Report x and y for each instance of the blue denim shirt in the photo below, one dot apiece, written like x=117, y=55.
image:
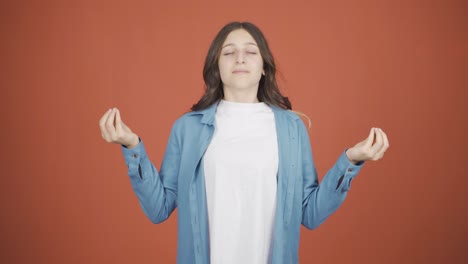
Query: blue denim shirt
x=180, y=183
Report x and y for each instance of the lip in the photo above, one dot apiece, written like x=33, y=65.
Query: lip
x=240, y=71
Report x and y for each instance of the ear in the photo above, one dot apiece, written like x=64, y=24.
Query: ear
x=263, y=72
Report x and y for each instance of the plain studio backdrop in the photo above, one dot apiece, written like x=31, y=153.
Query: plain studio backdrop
x=348, y=65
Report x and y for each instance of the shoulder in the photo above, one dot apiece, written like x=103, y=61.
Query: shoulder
x=286, y=115
x=185, y=128
x=187, y=119
x=291, y=121
x=195, y=120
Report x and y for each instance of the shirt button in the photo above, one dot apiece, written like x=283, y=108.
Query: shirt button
x=350, y=170
x=135, y=156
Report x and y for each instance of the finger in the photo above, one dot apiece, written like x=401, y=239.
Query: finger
x=386, y=142
x=378, y=142
x=118, y=121
x=102, y=125
x=384, y=148
x=370, y=138
x=110, y=124
x=103, y=119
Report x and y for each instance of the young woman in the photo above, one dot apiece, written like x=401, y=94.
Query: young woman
x=239, y=166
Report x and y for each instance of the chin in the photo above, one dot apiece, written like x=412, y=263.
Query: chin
x=244, y=87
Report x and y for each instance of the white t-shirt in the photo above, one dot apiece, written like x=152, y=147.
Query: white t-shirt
x=241, y=166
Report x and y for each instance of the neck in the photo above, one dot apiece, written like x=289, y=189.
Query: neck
x=246, y=96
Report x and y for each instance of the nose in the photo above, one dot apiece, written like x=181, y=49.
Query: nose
x=240, y=57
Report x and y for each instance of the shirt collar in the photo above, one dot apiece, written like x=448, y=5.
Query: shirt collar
x=208, y=114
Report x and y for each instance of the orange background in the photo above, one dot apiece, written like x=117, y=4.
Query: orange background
x=349, y=65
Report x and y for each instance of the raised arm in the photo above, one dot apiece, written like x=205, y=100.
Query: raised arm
x=321, y=200
x=156, y=191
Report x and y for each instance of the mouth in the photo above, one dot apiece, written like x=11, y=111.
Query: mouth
x=240, y=71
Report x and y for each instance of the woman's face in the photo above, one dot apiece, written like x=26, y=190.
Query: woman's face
x=240, y=63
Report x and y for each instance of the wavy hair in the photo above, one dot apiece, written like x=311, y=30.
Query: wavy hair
x=268, y=91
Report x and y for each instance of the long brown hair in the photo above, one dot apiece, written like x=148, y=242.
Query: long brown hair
x=268, y=91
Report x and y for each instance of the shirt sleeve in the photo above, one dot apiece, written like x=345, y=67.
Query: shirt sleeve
x=321, y=200
x=347, y=170
x=155, y=190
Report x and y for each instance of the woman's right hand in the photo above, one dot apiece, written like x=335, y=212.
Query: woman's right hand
x=114, y=130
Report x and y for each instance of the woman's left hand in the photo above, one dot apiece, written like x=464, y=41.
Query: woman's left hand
x=371, y=148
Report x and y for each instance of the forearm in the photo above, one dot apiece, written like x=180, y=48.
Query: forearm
x=156, y=201
x=324, y=199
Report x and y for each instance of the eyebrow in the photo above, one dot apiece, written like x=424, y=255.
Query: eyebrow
x=232, y=44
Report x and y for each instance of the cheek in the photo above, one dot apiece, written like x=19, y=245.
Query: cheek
x=222, y=70
x=259, y=65
x=222, y=63
x=258, y=62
